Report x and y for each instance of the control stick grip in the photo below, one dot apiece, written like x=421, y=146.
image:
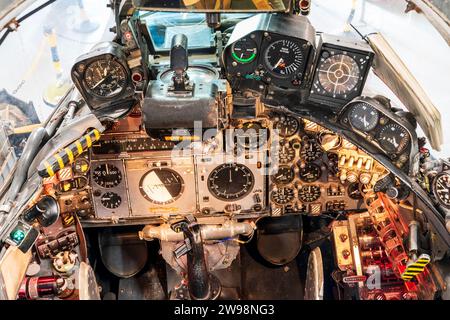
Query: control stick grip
x=179, y=54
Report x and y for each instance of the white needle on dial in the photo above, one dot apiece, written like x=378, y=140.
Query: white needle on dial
x=278, y=63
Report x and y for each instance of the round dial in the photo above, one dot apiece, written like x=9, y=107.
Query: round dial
x=364, y=117
x=310, y=150
x=111, y=200
x=283, y=58
x=244, y=50
x=338, y=74
x=105, y=78
x=161, y=185
x=442, y=189
x=286, y=153
x=287, y=126
x=393, y=138
x=107, y=175
x=309, y=193
x=282, y=196
x=284, y=175
x=310, y=172
x=230, y=181
x=253, y=135
x=354, y=191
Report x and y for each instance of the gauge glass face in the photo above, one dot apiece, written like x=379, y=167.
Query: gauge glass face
x=230, y=181
x=354, y=191
x=442, y=189
x=284, y=175
x=105, y=78
x=244, y=50
x=338, y=75
x=309, y=193
x=107, y=175
x=393, y=138
x=310, y=151
x=161, y=186
x=282, y=196
x=286, y=153
x=111, y=200
x=364, y=117
x=81, y=166
x=284, y=58
x=310, y=172
x=287, y=126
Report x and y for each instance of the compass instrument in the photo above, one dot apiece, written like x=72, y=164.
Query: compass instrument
x=393, y=138
x=309, y=193
x=311, y=172
x=282, y=196
x=107, y=175
x=363, y=117
x=284, y=175
x=230, y=181
x=287, y=126
x=161, y=185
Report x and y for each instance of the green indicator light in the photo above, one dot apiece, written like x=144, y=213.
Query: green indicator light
x=241, y=60
x=17, y=235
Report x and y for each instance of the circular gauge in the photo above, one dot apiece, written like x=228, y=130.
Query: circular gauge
x=310, y=172
x=332, y=162
x=282, y=196
x=111, y=200
x=107, y=175
x=363, y=117
x=286, y=154
x=338, y=74
x=253, y=135
x=105, y=78
x=283, y=58
x=230, y=181
x=354, y=191
x=161, y=185
x=81, y=166
x=393, y=138
x=310, y=150
x=244, y=50
x=284, y=175
x=287, y=126
x=441, y=188
x=309, y=193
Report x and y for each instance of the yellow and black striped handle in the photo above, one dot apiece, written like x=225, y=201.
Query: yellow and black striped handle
x=418, y=266
x=49, y=167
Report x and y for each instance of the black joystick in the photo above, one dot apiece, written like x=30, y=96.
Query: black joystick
x=179, y=63
x=201, y=284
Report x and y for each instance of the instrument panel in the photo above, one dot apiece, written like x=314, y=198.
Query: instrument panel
x=382, y=127
x=275, y=50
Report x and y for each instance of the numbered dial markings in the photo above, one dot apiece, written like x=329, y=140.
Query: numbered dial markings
x=230, y=181
x=244, y=50
x=286, y=153
x=283, y=58
x=282, y=196
x=393, y=138
x=442, y=189
x=364, y=117
x=161, y=185
x=310, y=150
x=310, y=172
x=309, y=193
x=111, y=200
x=107, y=175
x=287, y=126
x=105, y=78
x=284, y=175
